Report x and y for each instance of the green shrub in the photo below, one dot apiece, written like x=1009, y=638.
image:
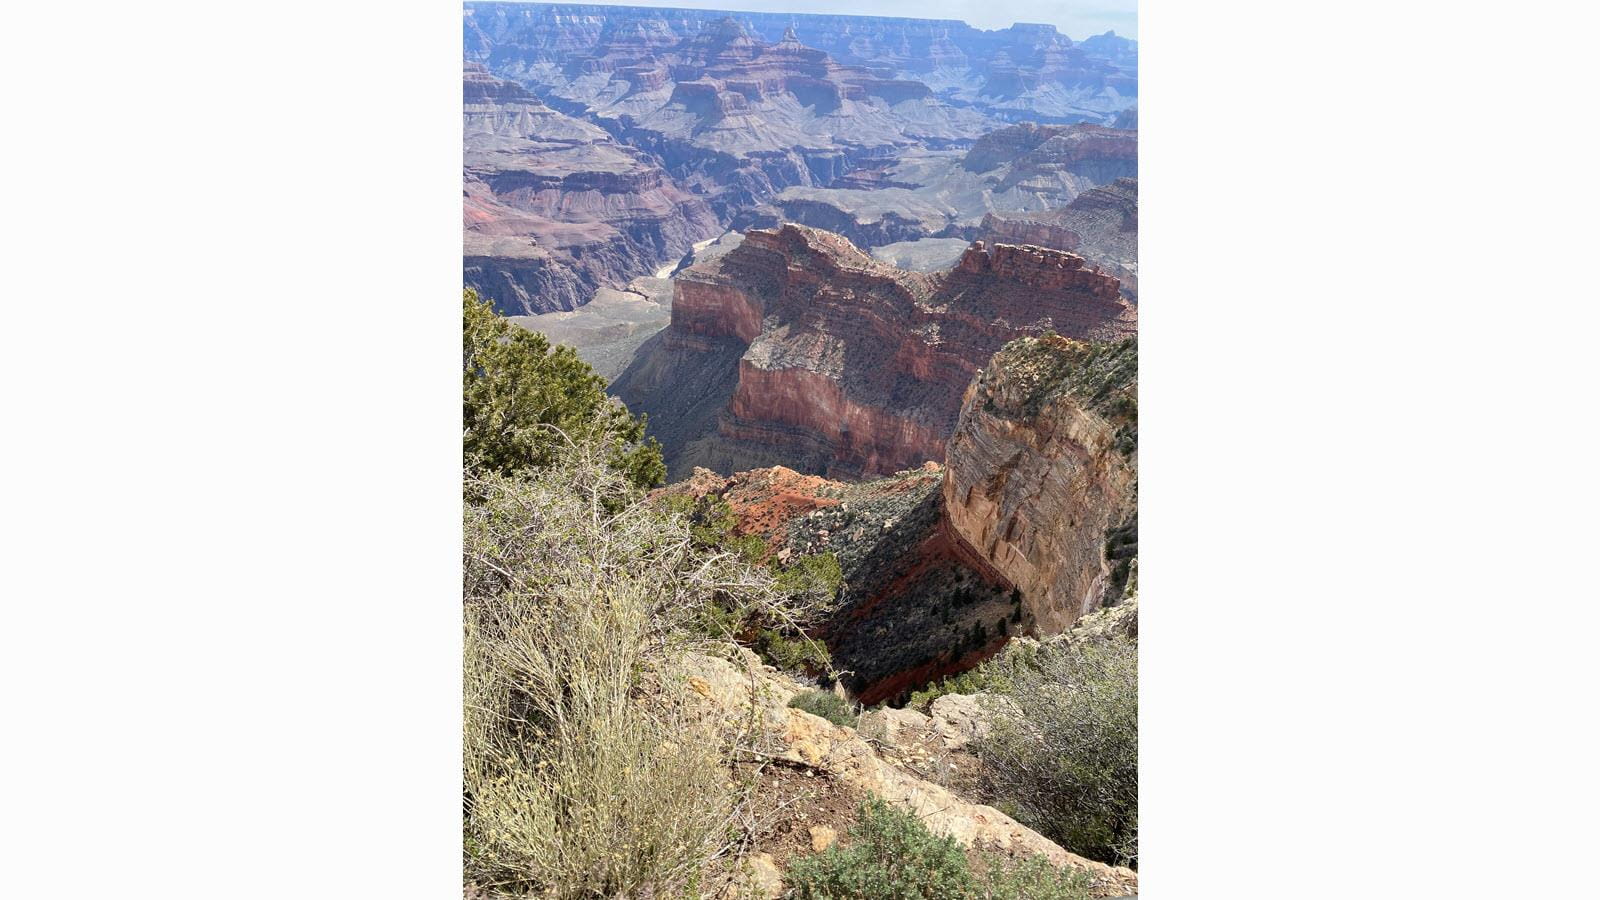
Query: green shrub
x=710, y=518
x=1063, y=755
x=891, y=855
x=808, y=583
x=794, y=654
x=1035, y=879
x=828, y=705
x=750, y=548
x=993, y=675
x=815, y=575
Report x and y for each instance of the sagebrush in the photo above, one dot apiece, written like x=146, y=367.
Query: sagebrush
x=1063, y=755
x=585, y=773
x=828, y=705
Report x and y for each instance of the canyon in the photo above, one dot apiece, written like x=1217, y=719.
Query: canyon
x=1027, y=527
x=1026, y=72
x=603, y=142
x=911, y=346
x=554, y=208
x=738, y=119
x=872, y=284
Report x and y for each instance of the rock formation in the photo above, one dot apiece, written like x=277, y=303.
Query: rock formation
x=1041, y=473
x=1113, y=48
x=798, y=349
x=1101, y=225
x=555, y=208
x=951, y=418
x=1037, y=153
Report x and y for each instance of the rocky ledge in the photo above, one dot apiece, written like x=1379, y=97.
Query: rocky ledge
x=836, y=757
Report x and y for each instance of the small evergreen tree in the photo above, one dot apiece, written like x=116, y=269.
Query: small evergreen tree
x=520, y=396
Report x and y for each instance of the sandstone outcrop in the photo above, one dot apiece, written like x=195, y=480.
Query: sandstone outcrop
x=960, y=719
x=746, y=690
x=1040, y=478
x=555, y=208
x=797, y=348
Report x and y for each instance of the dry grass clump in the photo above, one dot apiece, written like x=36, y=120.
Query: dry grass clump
x=585, y=772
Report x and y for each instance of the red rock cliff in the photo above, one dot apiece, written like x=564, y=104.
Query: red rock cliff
x=849, y=367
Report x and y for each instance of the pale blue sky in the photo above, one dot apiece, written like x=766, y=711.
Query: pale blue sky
x=1077, y=20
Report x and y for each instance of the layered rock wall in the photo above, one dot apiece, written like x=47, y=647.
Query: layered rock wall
x=852, y=367
x=1101, y=224
x=1020, y=230
x=1041, y=471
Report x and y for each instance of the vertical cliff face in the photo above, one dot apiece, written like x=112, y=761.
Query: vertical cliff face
x=1041, y=473
x=841, y=364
